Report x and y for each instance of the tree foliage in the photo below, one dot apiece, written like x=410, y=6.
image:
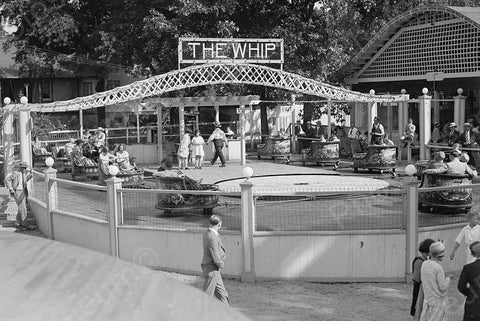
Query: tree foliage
x=320, y=36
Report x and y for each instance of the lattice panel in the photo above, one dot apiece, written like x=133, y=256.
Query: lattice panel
x=429, y=17
x=210, y=74
x=451, y=48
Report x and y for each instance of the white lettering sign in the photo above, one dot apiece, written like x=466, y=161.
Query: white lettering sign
x=201, y=50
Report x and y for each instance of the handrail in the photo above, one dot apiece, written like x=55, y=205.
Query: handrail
x=79, y=184
x=450, y=147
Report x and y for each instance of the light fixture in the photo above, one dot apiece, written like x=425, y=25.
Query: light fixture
x=49, y=161
x=425, y=90
x=7, y=100
x=247, y=172
x=113, y=170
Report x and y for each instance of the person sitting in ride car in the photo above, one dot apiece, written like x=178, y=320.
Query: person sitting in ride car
x=455, y=166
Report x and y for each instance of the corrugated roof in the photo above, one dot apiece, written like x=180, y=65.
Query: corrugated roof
x=469, y=14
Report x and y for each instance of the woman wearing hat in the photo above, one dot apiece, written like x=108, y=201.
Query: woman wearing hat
x=16, y=183
x=435, y=285
x=469, y=286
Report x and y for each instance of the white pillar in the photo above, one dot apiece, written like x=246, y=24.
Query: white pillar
x=425, y=124
x=197, y=126
x=181, y=120
x=242, y=136
x=80, y=119
x=459, y=109
x=24, y=126
x=248, y=227
x=372, y=113
x=329, y=117
x=293, y=141
x=411, y=225
x=216, y=108
x=113, y=212
x=402, y=119
x=436, y=107
x=252, y=126
x=52, y=198
x=8, y=150
x=138, y=125
x=159, y=133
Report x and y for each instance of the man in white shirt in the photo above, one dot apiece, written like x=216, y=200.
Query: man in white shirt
x=353, y=132
x=218, y=138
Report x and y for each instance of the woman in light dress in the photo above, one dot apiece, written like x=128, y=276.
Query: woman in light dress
x=197, y=149
x=104, y=160
x=184, y=150
x=123, y=160
x=434, y=286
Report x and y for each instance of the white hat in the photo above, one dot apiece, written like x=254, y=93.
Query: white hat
x=437, y=249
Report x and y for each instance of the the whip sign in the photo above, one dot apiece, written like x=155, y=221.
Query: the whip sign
x=214, y=50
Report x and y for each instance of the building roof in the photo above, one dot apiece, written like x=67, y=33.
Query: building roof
x=433, y=33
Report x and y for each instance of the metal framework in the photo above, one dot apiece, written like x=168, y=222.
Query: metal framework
x=211, y=74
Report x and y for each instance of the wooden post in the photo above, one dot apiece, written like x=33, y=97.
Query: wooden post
x=216, y=108
x=25, y=135
x=252, y=127
x=248, y=227
x=459, y=109
x=159, y=133
x=52, y=198
x=8, y=148
x=372, y=113
x=80, y=119
x=329, y=113
x=113, y=212
x=181, y=120
x=411, y=224
x=243, y=155
x=138, y=125
x=425, y=126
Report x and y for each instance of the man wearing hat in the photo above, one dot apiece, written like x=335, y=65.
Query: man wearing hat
x=219, y=139
x=16, y=182
x=470, y=139
x=377, y=132
x=453, y=135
x=469, y=285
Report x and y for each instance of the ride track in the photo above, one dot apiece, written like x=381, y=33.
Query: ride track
x=212, y=74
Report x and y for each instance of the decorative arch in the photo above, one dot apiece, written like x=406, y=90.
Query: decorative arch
x=211, y=74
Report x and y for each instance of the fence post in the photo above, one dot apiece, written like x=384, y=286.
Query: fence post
x=424, y=124
x=411, y=224
x=248, y=227
x=459, y=109
x=113, y=184
x=52, y=198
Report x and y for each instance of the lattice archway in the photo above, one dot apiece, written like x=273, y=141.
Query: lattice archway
x=211, y=74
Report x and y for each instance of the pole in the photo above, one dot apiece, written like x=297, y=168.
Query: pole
x=159, y=133
x=80, y=118
x=242, y=136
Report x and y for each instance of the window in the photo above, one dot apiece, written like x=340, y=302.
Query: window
x=46, y=90
x=87, y=88
x=112, y=84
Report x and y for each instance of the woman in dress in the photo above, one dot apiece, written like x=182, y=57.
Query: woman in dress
x=435, y=285
x=197, y=150
x=104, y=160
x=123, y=160
x=184, y=150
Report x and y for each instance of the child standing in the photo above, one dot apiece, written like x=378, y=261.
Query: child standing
x=184, y=150
x=469, y=234
x=423, y=249
x=197, y=149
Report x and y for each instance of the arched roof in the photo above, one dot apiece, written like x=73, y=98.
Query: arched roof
x=428, y=29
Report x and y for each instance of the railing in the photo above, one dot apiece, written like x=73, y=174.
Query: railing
x=247, y=215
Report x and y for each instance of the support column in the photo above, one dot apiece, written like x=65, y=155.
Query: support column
x=8, y=150
x=181, y=120
x=159, y=133
x=248, y=227
x=372, y=113
x=80, y=119
x=389, y=120
x=425, y=124
x=52, y=198
x=25, y=129
x=216, y=108
x=329, y=118
x=113, y=184
x=197, y=126
x=436, y=107
x=293, y=141
x=252, y=127
x=243, y=157
x=411, y=225
x=402, y=106
x=138, y=125
x=459, y=109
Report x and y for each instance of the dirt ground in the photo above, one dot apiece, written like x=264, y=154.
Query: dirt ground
x=305, y=301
